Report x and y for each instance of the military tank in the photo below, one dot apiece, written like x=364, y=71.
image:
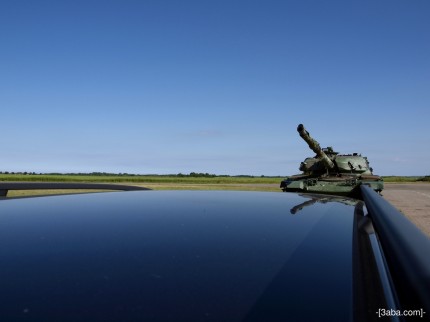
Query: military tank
x=329, y=172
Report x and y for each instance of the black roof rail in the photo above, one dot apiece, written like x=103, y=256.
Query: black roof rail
x=406, y=250
x=6, y=186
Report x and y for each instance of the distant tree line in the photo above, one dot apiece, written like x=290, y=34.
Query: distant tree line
x=425, y=178
x=180, y=175
x=25, y=172
x=197, y=175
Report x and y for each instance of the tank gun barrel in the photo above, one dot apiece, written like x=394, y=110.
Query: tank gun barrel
x=314, y=145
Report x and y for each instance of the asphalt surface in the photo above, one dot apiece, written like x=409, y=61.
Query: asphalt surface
x=413, y=200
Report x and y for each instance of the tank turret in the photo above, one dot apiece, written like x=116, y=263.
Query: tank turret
x=329, y=172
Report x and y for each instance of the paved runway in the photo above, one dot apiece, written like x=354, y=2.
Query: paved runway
x=413, y=200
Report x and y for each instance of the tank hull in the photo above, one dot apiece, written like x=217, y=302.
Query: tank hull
x=332, y=186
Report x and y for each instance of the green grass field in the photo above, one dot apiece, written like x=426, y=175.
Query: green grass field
x=174, y=179
x=137, y=178
x=153, y=182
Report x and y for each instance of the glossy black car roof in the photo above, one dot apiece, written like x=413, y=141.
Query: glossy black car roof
x=177, y=256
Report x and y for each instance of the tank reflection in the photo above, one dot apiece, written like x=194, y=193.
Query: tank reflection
x=321, y=199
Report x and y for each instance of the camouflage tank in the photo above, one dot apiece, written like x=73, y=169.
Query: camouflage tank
x=329, y=172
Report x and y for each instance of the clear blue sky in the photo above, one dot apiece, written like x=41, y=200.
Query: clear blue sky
x=212, y=86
